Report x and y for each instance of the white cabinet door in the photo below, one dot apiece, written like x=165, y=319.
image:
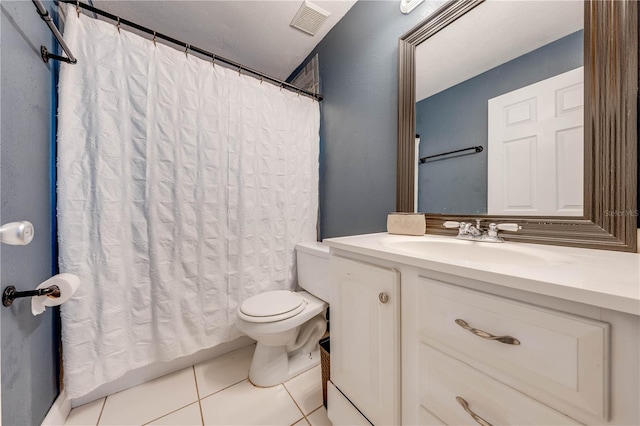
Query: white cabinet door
x=536, y=155
x=365, y=337
x=342, y=411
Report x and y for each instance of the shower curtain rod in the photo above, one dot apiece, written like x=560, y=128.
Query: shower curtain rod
x=187, y=46
x=44, y=15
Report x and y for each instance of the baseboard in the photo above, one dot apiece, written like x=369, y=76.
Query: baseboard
x=59, y=411
x=150, y=372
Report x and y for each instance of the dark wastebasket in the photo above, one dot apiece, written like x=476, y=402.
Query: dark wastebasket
x=325, y=365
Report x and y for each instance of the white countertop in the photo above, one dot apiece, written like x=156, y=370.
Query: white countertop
x=602, y=278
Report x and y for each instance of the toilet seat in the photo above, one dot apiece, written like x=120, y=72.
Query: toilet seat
x=272, y=306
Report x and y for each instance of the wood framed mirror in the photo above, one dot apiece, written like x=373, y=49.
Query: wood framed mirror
x=610, y=209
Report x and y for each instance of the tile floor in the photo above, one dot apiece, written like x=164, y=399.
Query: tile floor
x=215, y=392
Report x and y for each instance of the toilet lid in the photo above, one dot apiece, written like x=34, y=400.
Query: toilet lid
x=272, y=306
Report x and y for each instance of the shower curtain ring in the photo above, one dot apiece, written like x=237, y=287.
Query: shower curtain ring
x=213, y=61
x=281, y=86
x=240, y=70
x=118, y=26
x=78, y=8
x=261, y=78
x=186, y=49
x=154, y=38
x=299, y=92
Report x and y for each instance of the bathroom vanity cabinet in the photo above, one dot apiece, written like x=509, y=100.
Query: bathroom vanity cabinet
x=416, y=341
x=365, y=337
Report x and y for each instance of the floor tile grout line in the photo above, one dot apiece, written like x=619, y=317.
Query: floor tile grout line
x=195, y=377
x=284, y=384
x=295, y=402
x=315, y=409
x=303, y=418
x=171, y=412
x=230, y=386
x=102, y=410
x=306, y=416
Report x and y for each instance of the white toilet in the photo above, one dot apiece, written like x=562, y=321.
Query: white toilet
x=287, y=325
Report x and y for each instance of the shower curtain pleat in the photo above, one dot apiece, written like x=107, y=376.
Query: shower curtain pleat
x=182, y=190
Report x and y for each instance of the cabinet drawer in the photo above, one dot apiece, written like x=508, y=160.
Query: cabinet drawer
x=443, y=379
x=560, y=359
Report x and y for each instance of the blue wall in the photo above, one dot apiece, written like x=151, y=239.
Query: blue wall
x=28, y=344
x=458, y=184
x=359, y=80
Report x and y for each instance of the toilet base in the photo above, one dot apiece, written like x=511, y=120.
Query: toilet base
x=300, y=363
x=272, y=365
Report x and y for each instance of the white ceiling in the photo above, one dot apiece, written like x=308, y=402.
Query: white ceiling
x=491, y=34
x=254, y=33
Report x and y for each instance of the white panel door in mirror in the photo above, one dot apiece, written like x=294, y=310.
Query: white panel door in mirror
x=536, y=154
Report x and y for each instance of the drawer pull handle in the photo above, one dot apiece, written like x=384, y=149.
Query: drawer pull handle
x=502, y=339
x=473, y=415
x=383, y=297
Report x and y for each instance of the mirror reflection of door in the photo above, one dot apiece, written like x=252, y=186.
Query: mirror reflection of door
x=497, y=48
x=535, y=143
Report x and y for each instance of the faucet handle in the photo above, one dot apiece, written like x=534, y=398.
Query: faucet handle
x=463, y=227
x=512, y=227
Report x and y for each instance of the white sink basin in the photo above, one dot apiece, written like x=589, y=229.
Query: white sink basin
x=451, y=249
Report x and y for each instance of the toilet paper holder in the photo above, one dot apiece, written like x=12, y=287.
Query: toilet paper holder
x=10, y=293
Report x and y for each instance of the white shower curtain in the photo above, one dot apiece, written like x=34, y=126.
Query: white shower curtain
x=182, y=190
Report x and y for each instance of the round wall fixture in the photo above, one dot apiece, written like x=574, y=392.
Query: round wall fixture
x=406, y=6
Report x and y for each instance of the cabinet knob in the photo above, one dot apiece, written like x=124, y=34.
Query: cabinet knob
x=383, y=297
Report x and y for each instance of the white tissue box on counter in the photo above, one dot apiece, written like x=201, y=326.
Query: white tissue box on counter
x=406, y=223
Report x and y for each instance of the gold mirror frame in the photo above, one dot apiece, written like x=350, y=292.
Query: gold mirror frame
x=610, y=132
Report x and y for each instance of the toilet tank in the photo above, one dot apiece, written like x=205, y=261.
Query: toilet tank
x=312, y=261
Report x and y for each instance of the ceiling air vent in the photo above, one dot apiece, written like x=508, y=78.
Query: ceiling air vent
x=309, y=18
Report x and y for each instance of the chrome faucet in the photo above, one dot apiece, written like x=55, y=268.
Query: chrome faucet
x=468, y=231
x=474, y=231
